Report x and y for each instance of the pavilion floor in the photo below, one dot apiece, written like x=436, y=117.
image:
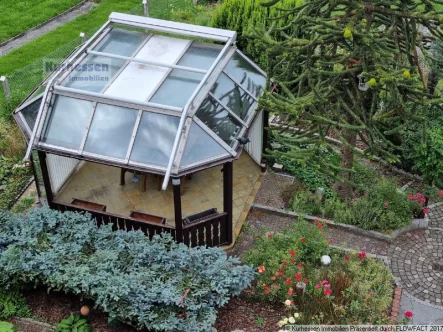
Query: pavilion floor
x=101, y=184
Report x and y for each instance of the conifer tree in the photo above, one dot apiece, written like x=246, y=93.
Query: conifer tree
x=350, y=69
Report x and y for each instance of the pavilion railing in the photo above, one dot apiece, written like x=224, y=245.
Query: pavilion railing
x=118, y=222
x=210, y=231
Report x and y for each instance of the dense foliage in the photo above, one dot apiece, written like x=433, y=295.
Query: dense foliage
x=13, y=177
x=243, y=15
x=158, y=284
x=73, y=323
x=350, y=289
x=12, y=303
x=348, y=69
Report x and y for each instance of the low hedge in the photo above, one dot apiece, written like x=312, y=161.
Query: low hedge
x=134, y=280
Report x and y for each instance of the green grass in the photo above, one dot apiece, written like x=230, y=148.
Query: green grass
x=46, y=44
x=17, y=16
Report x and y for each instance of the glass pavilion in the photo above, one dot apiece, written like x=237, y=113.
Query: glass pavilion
x=151, y=96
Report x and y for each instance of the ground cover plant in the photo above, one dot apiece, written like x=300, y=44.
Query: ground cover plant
x=156, y=284
x=18, y=16
x=14, y=175
x=317, y=284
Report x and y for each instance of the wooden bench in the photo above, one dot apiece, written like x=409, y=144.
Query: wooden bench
x=88, y=205
x=140, y=216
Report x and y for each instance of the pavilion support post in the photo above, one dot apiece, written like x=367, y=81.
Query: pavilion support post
x=34, y=173
x=146, y=8
x=263, y=163
x=228, y=189
x=178, y=209
x=46, y=179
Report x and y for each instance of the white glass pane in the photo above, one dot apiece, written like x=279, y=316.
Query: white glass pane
x=155, y=138
x=200, y=146
x=180, y=84
x=96, y=72
x=219, y=120
x=111, y=131
x=67, y=122
x=234, y=97
x=244, y=73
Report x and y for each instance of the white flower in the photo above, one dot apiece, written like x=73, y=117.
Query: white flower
x=296, y=315
x=288, y=303
x=281, y=323
x=326, y=260
x=285, y=320
x=291, y=320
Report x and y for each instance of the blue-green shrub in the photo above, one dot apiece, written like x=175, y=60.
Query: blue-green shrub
x=133, y=279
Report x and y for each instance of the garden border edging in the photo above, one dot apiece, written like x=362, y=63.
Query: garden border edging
x=416, y=224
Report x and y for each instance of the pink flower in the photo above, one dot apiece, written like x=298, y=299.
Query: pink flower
x=315, y=220
x=408, y=314
x=385, y=203
x=290, y=291
x=372, y=293
x=362, y=254
x=426, y=210
x=330, y=241
x=441, y=193
x=325, y=282
x=288, y=281
x=327, y=286
x=411, y=197
x=327, y=292
x=318, y=286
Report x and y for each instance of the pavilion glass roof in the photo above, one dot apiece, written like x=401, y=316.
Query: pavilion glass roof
x=138, y=86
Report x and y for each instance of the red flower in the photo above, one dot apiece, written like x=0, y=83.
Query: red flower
x=298, y=277
x=365, y=195
x=261, y=269
x=288, y=281
x=362, y=254
x=285, y=263
x=347, y=258
x=292, y=260
x=320, y=226
x=426, y=210
x=280, y=273
x=303, y=240
x=300, y=265
x=266, y=291
x=292, y=253
x=327, y=292
x=269, y=236
x=441, y=193
x=305, y=281
x=330, y=241
x=385, y=203
x=290, y=291
x=315, y=220
x=408, y=314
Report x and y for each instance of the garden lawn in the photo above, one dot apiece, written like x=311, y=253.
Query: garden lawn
x=18, y=16
x=48, y=43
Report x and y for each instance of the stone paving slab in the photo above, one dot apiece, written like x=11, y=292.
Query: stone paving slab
x=416, y=259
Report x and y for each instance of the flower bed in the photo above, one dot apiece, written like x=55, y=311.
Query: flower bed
x=317, y=284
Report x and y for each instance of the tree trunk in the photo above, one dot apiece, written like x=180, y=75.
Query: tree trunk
x=343, y=188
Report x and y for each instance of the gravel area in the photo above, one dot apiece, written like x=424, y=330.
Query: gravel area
x=271, y=188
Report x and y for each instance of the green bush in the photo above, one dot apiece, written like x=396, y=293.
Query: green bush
x=6, y=327
x=383, y=208
x=73, y=323
x=244, y=15
x=306, y=202
x=360, y=287
x=12, y=303
x=133, y=279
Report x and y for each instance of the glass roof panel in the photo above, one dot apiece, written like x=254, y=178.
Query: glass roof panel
x=111, y=131
x=244, y=73
x=218, y=119
x=95, y=72
x=155, y=138
x=200, y=146
x=30, y=113
x=67, y=122
x=180, y=84
x=234, y=97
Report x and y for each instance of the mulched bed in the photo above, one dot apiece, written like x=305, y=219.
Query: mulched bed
x=271, y=189
x=53, y=307
x=241, y=314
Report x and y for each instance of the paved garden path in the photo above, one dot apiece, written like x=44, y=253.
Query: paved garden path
x=416, y=260
x=45, y=28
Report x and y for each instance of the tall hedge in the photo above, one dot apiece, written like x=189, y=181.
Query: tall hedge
x=242, y=15
x=133, y=279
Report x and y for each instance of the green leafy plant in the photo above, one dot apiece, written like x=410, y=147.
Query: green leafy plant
x=133, y=279
x=6, y=327
x=259, y=321
x=12, y=303
x=24, y=204
x=73, y=323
